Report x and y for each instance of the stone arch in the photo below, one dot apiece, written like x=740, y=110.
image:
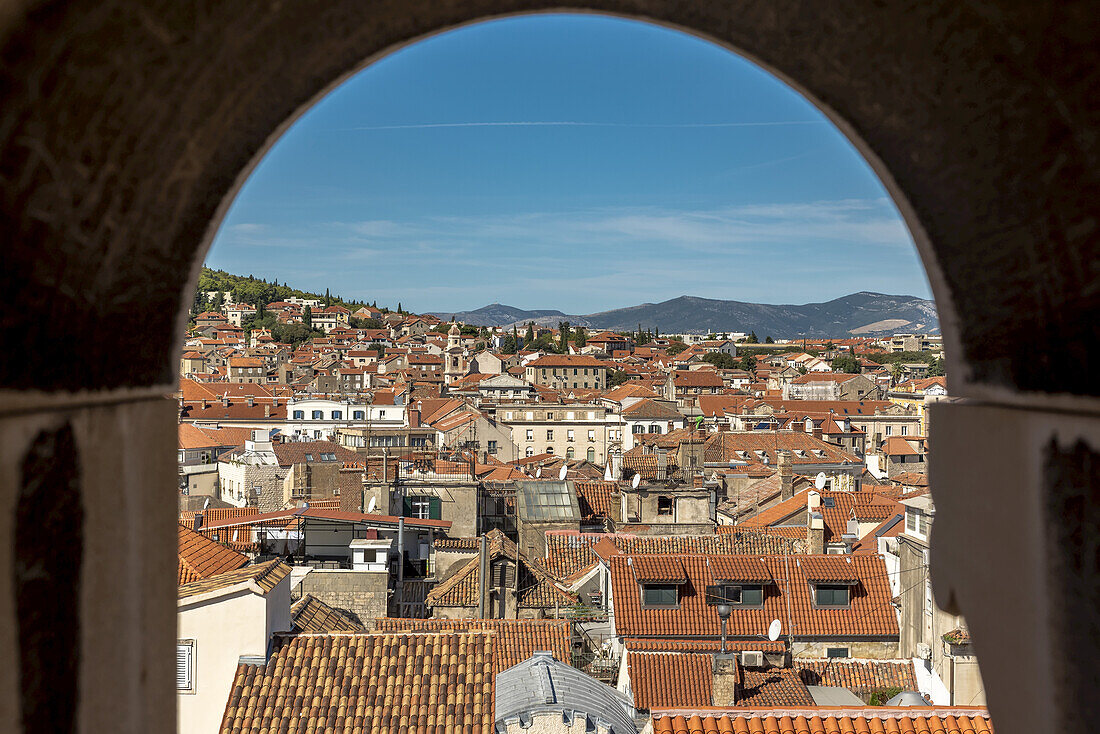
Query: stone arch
x=125, y=127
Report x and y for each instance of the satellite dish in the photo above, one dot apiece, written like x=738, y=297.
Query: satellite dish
x=538, y=473
x=774, y=629
x=636, y=481
x=562, y=473
x=819, y=480
x=371, y=505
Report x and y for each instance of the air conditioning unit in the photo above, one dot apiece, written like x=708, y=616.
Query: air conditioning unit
x=752, y=658
x=924, y=652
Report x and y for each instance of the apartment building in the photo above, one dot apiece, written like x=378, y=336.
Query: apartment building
x=568, y=372
x=575, y=431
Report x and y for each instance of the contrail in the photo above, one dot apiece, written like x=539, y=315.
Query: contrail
x=575, y=123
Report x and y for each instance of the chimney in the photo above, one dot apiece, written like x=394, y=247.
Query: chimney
x=204, y=404
x=726, y=678
x=251, y=402
x=225, y=400
x=267, y=411
x=662, y=464
x=815, y=524
x=786, y=475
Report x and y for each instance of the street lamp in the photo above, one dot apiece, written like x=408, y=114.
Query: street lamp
x=724, y=611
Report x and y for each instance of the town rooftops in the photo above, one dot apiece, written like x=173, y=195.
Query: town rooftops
x=279, y=518
x=650, y=410
x=200, y=557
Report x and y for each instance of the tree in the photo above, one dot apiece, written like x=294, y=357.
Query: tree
x=721, y=360
x=748, y=364
x=219, y=300
x=399, y=308
x=563, y=344
x=328, y=298
x=752, y=338
x=580, y=336
x=260, y=309
x=617, y=377
x=656, y=332
x=937, y=368
x=676, y=347
x=769, y=340
x=530, y=333
x=307, y=317
x=846, y=363
x=508, y=346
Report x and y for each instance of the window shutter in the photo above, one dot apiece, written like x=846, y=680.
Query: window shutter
x=435, y=508
x=184, y=663
x=406, y=507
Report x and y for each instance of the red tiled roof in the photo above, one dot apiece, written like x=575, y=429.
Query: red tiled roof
x=658, y=569
x=861, y=677
x=200, y=557
x=597, y=499
x=824, y=720
x=771, y=687
x=869, y=614
x=838, y=568
x=664, y=679
x=380, y=682
x=514, y=640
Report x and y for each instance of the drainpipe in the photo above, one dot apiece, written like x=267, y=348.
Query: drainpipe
x=481, y=577
x=400, y=552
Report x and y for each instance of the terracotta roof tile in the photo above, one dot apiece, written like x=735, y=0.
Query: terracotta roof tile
x=824, y=720
x=861, y=677
x=658, y=569
x=514, y=640
x=372, y=682
x=771, y=687
x=310, y=614
x=200, y=557
x=669, y=679
x=265, y=576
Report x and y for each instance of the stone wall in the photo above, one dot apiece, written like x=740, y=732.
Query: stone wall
x=363, y=594
x=876, y=650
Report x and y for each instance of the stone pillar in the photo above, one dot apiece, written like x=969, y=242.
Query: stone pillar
x=87, y=486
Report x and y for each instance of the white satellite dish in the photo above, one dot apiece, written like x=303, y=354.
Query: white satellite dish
x=636, y=481
x=538, y=473
x=562, y=473
x=774, y=629
x=819, y=480
x=371, y=505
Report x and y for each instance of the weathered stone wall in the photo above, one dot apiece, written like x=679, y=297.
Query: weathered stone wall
x=874, y=650
x=362, y=593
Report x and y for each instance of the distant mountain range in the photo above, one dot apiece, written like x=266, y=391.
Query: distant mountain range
x=860, y=314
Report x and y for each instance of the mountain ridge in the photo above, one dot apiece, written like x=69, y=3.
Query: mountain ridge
x=865, y=313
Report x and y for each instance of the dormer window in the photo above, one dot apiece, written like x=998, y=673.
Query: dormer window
x=660, y=596
x=744, y=596
x=832, y=595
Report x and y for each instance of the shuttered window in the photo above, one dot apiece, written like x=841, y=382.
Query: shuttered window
x=185, y=665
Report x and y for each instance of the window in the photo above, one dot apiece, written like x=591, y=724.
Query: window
x=418, y=441
x=549, y=416
x=530, y=434
x=928, y=596
x=836, y=652
x=744, y=596
x=549, y=434
x=664, y=505
x=491, y=447
x=318, y=415
x=299, y=415
x=660, y=595
x=592, y=434
x=550, y=449
x=424, y=508
x=309, y=457
x=591, y=454
x=530, y=451
x=654, y=429
x=328, y=457
x=569, y=453
x=570, y=416
x=185, y=665
x=637, y=428
x=831, y=595
x=358, y=415
x=569, y=435
x=574, y=370
x=888, y=429
x=337, y=415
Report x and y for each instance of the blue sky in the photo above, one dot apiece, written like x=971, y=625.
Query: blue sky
x=573, y=162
